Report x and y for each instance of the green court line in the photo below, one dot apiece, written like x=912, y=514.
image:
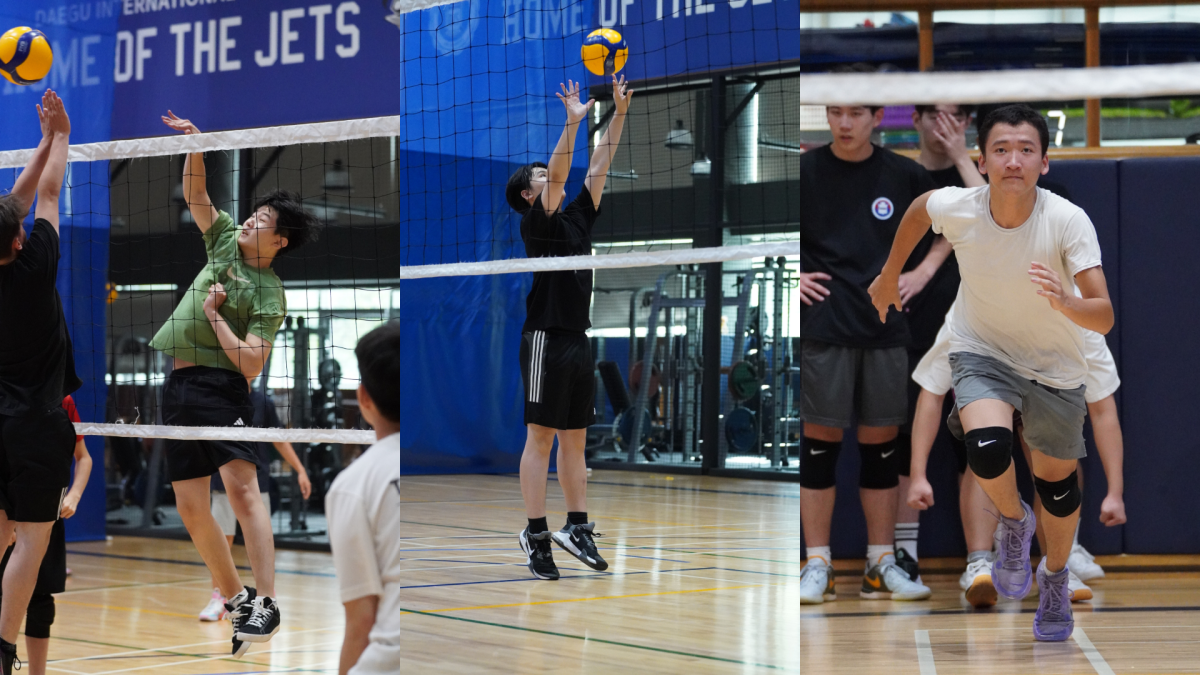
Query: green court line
x=715, y=555
x=144, y=649
x=591, y=639
x=455, y=527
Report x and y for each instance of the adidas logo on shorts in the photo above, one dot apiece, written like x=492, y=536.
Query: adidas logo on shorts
x=239, y=423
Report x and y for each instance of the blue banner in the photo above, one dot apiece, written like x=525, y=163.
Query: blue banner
x=671, y=38
x=235, y=64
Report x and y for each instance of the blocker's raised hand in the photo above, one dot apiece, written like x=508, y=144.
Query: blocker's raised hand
x=179, y=124
x=621, y=95
x=576, y=110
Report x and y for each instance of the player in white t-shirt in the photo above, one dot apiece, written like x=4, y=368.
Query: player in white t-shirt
x=933, y=376
x=1014, y=345
x=363, y=513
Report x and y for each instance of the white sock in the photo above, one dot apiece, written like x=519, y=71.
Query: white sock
x=1075, y=541
x=978, y=555
x=877, y=552
x=821, y=552
x=906, y=538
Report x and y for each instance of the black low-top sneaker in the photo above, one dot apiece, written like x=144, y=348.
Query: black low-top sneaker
x=578, y=541
x=537, y=550
x=8, y=656
x=263, y=622
x=239, y=608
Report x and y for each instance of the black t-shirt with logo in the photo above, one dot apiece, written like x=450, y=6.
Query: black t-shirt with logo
x=559, y=301
x=850, y=213
x=927, y=310
x=37, y=366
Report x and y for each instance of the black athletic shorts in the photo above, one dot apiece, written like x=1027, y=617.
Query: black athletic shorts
x=560, y=380
x=202, y=396
x=35, y=464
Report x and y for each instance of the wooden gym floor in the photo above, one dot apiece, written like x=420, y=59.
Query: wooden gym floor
x=1144, y=618
x=702, y=579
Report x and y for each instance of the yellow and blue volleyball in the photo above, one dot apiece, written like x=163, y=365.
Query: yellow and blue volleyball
x=25, y=55
x=605, y=51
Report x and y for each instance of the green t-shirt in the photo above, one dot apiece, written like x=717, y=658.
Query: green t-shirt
x=254, y=302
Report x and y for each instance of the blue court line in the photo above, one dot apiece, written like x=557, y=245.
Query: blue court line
x=578, y=576
x=626, y=555
x=686, y=489
x=194, y=563
x=773, y=574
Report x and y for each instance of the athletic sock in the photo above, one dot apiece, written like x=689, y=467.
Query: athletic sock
x=978, y=555
x=577, y=518
x=538, y=525
x=821, y=552
x=1075, y=541
x=906, y=538
x=876, y=553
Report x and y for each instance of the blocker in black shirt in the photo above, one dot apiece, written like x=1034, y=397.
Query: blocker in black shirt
x=559, y=301
x=37, y=368
x=850, y=214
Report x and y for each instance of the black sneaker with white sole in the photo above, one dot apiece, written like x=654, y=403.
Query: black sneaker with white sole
x=8, y=656
x=263, y=622
x=537, y=550
x=578, y=541
x=239, y=608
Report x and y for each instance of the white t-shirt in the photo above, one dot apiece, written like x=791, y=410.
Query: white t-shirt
x=933, y=371
x=363, y=515
x=1000, y=313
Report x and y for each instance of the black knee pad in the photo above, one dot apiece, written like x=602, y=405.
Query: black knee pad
x=878, y=469
x=989, y=451
x=818, y=463
x=903, y=454
x=40, y=615
x=1060, y=498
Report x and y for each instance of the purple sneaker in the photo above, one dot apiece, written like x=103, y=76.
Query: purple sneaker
x=1011, y=572
x=1053, y=621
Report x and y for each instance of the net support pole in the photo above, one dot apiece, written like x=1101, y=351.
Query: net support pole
x=1091, y=22
x=710, y=398
x=925, y=39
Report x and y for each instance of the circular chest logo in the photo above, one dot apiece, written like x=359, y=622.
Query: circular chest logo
x=882, y=208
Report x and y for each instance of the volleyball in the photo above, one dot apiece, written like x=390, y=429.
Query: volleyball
x=25, y=55
x=605, y=51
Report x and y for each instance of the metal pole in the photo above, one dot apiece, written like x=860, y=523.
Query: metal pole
x=710, y=406
x=301, y=406
x=777, y=394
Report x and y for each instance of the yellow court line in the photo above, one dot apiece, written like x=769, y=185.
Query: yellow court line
x=127, y=609
x=628, y=520
x=602, y=597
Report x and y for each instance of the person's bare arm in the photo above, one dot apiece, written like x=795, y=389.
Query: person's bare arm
x=1093, y=311
x=607, y=147
x=25, y=187
x=288, y=453
x=360, y=618
x=559, y=166
x=885, y=290
x=83, y=470
x=249, y=355
x=1110, y=445
x=49, y=185
x=926, y=419
x=195, y=180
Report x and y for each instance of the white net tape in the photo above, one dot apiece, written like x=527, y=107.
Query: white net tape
x=353, y=436
x=1052, y=84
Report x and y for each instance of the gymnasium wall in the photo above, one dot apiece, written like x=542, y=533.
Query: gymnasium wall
x=1145, y=223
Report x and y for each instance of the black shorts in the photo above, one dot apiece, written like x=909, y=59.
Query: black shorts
x=202, y=396
x=559, y=378
x=35, y=464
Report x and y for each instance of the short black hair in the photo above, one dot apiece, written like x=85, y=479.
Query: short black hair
x=12, y=212
x=518, y=183
x=378, y=355
x=859, y=67
x=1015, y=114
x=964, y=109
x=292, y=220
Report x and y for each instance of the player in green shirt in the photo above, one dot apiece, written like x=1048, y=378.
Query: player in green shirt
x=219, y=337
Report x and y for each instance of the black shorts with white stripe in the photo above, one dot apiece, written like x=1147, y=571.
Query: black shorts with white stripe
x=559, y=378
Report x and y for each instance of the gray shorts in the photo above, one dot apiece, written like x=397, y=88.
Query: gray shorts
x=1051, y=419
x=841, y=384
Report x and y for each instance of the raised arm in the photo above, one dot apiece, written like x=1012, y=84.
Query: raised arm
x=607, y=147
x=195, y=186
x=49, y=185
x=559, y=166
x=885, y=290
x=25, y=187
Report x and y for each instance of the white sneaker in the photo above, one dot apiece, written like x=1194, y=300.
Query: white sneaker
x=887, y=581
x=1083, y=564
x=976, y=583
x=816, y=582
x=1079, y=590
x=215, y=610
